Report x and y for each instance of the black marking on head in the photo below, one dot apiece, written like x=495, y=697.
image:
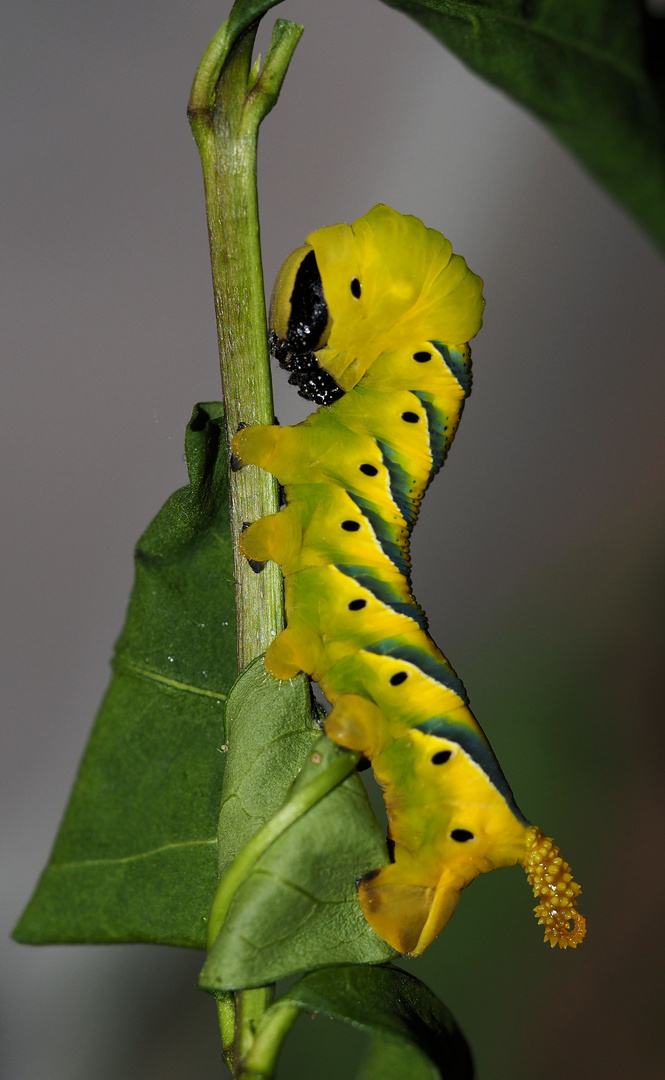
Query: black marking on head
x=461, y=835
x=410, y=417
x=460, y=371
x=368, y=470
x=256, y=566
x=245, y=525
x=235, y=463
x=355, y=288
x=313, y=383
x=442, y=757
x=385, y=592
x=357, y=605
x=369, y=876
x=422, y=357
x=398, y=678
x=351, y=526
x=308, y=317
x=242, y=425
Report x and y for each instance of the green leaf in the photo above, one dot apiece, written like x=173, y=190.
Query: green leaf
x=270, y=729
x=136, y=855
x=389, y=1059
x=297, y=908
x=413, y=1034
x=587, y=68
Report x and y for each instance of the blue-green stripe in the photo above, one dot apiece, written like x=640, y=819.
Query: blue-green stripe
x=434, y=669
x=385, y=593
x=479, y=750
x=382, y=532
x=459, y=370
x=401, y=484
x=439, y=433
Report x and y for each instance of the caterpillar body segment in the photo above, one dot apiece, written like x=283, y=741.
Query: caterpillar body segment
x=371, y=320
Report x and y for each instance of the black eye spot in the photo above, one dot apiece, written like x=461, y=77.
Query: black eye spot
x=369, y=470
x=351, y=526
x=356, y=605
x=442, y=757
x=461, y=835
x=355, y=288
x=422, y=357
x=410, y=417
x=398, y=678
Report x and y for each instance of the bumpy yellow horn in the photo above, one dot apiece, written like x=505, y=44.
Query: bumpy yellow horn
x=551, y=878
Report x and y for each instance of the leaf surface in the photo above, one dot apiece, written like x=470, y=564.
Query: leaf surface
x=413, y=1034
x=297, y=909
x=591, y=70
x=136, y=855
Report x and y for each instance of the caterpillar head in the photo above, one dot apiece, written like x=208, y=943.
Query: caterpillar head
x=353, y=292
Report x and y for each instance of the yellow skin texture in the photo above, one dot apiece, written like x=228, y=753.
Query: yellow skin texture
x=414, y=293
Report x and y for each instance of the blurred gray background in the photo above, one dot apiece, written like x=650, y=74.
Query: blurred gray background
x=539, y=555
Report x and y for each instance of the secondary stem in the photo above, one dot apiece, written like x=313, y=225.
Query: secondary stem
x=273, y=1027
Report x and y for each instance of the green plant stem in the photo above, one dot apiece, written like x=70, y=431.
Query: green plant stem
x=272, y=1029
x=227, y=104
x=251, y=1006
x=226, y=1018
x=300, y=801
x=228, y=101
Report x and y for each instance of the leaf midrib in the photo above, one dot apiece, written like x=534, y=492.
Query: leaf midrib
x=77, y=864
x=121, y=662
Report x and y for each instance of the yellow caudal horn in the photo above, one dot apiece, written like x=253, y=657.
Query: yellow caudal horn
x=552, y=882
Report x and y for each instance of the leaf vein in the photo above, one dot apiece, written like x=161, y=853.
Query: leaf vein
x=130, y=858
x=147, y=673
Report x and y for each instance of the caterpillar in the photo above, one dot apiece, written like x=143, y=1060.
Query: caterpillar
x=368, y=319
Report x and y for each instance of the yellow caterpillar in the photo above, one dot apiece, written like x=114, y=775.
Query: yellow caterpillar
x=371, y=320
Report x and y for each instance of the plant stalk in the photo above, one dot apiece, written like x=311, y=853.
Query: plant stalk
x=228, y=101
x=273, y=1027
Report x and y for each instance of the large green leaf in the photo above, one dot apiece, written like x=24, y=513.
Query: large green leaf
x=413, y=1034
x=591, y=70
x=297, y=907
x=136, y=855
